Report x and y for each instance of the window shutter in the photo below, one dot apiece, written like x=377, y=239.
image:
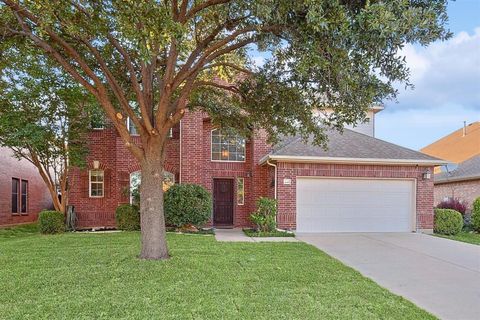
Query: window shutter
x=176, y=131
x=124, y=183
x=107, y=185
x=84, y=184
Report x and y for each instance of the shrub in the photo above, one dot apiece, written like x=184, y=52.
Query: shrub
x=50, y=222
x=454, y=204
x=265, y=216
x=447, y=221
x=476, y=215
x=127, y=217
x=187, y=204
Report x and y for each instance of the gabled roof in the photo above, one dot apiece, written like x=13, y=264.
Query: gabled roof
x=348, y=147
x=457, y=147
x=466, y=170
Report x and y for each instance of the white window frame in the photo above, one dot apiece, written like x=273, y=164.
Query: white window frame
x=97, y=182
x=241, y=203
x=129, y=123
x=211, y=149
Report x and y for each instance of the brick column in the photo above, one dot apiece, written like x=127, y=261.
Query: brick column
x=191, y=151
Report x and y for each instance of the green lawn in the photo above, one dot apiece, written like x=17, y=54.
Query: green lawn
x=469, y=237
x=96, y=276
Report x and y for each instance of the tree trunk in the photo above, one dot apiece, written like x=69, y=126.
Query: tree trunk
x=152, y=219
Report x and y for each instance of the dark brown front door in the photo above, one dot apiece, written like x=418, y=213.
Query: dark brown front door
x=223, y=202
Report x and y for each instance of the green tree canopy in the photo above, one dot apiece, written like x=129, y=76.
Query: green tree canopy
x=44, y=117
x=152, y=60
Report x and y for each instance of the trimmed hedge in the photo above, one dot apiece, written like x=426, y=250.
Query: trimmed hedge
x=186, y=204
x=447, y=221
x=127, y=217
x=51, y=222
x=476, y=215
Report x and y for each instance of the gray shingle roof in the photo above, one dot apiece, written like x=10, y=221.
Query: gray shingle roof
x=349, y=144
x=466, y=170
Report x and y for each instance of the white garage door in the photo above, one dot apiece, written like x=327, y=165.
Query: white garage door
x=354, y=205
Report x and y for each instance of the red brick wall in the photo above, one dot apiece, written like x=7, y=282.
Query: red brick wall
x=287, y=193
x=197, y=167
x=38, y=195
x=467, y=191
x=118, y=163
x=188, y=157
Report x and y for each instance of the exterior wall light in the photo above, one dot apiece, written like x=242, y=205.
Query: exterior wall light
x=427, y=175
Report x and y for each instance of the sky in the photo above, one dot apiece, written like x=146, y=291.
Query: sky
x=446, y=76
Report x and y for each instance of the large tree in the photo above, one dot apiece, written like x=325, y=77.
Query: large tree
x=44, y=117
x=151, y=60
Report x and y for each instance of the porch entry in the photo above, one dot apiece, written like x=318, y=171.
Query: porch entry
x=223, y=202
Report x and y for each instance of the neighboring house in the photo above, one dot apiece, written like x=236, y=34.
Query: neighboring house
x=462, y=183
x=461, y=177
x=23, y=193
x=456, y=147
x=360, y=184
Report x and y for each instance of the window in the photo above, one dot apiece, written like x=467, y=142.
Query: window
x=96, y=179
x=15, y=191
x=227, y=147
x=24, y=197
x=136, y=178
x=131, y=128
x=240, y=191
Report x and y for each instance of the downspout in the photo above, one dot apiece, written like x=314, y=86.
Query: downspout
x=274, y=187
x=180, y=155
x=274, y=178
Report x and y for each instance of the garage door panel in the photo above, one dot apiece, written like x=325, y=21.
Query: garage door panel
x=349, y=205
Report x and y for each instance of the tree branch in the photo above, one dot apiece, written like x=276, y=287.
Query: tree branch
x=193, y=11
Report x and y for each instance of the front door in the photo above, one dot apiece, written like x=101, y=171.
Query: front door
x=223, y=202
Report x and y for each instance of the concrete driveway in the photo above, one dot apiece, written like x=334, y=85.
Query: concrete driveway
x=439, y=275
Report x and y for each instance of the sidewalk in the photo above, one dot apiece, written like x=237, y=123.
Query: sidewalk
x=237, y=235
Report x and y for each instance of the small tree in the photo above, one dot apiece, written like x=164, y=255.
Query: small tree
x=44, y=117
x=265, y=217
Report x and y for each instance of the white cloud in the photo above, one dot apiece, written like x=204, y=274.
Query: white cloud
x=446, y=76
x=444, y=73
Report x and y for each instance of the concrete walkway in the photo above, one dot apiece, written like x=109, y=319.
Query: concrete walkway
x=237, y=235
x=440, y=275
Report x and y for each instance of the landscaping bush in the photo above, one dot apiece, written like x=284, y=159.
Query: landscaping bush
x=50, y=222
x=127, y=217
x=447, y=221
x=454, y=204
x=187, y=204
x=265, y=216
x=475, y=221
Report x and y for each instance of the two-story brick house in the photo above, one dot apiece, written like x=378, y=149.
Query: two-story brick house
x=359, y=184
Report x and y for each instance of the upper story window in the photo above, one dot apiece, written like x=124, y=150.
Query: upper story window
x=131, y=127
x=227, y=147
x=96, y=183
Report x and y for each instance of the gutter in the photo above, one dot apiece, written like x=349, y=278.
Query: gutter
x=459, y=179
x=344, y=160
x=274, y=179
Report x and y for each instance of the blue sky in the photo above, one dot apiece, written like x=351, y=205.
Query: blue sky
x=446, y=76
